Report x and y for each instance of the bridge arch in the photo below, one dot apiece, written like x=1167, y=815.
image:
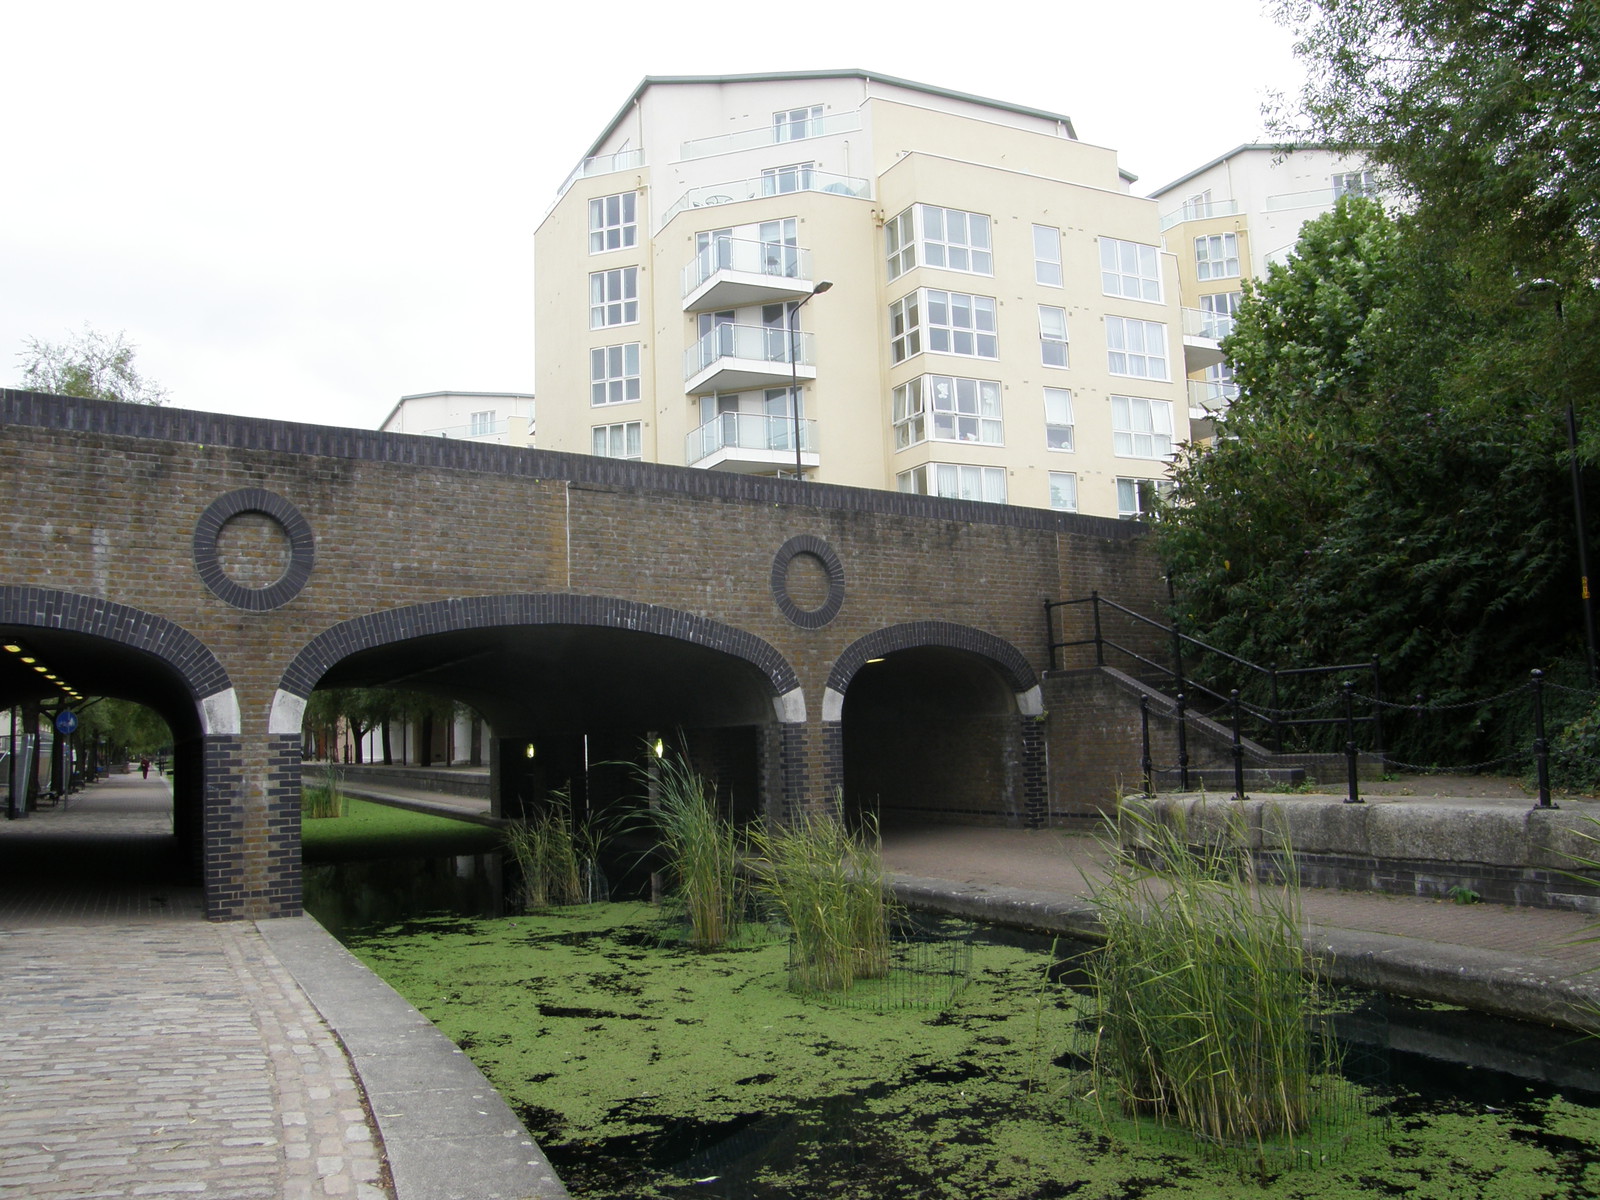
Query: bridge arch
x=565, y=669
x=114, y=649
x=935, y=720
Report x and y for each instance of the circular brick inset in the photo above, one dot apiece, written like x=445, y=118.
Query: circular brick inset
x=817, y=616
x=287, y=518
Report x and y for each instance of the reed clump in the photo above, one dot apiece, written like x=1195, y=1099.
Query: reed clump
x=1204, y=994
x=828, y=885
x=321, y=801
x=701, y=847
x=554, y=857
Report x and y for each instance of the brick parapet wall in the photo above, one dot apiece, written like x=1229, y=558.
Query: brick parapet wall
x=98, y=504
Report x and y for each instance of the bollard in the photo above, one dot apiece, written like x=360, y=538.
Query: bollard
x=1238, y=751
x=1541, y=748
x=1354, y=795
x=1145, y=764
x=1183, y=746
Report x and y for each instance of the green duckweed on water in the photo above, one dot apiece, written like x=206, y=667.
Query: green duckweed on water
x=648, y=1071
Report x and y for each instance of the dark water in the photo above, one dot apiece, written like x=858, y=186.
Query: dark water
x=1421, y=1055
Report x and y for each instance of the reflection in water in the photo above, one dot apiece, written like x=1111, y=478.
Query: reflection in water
x=346, y=896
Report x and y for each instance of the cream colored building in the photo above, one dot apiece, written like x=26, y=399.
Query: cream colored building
x=1226, y=221
x=977, y=304
x=502, y=418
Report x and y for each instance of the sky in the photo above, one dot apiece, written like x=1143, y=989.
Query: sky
x=308, y=210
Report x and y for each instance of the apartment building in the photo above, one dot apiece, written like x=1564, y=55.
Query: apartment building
x=866, y=281
x=502, y=418
x=1226, y=221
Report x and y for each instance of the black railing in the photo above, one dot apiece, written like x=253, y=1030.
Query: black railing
x=1344, y=711
x=1193, y=669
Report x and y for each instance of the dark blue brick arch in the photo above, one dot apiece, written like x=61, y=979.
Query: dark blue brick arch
x=73, y=612
x=1018, y=672
x=548, y=608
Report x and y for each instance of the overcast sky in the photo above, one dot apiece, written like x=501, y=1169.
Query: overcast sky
x=308, y=210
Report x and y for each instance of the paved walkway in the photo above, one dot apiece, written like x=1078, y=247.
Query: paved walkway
x=147, y=1052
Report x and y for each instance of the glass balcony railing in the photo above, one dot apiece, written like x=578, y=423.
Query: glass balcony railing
x=1200, y=210
x=602, y=164
x=1205, y=396
x=779, y=182
x=752, y=139
x=748, y=431
x=747, y=257
x=477, y=429
x=1199, y=323
x=751, y=343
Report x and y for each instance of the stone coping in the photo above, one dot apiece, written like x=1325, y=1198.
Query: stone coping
x=447, y=1134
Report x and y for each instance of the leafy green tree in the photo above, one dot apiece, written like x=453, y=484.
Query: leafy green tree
x=89, y=364
x=128, y=729
x=1483, y=118
x=1361, y=501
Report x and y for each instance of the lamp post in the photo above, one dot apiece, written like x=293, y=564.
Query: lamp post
x=794, y=373
x=1527, y=289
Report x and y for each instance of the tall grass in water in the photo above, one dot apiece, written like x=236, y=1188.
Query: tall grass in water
x=1204, y=996
x=829, y=888
x=323, y=800
x=702, y=852
x=552, y=857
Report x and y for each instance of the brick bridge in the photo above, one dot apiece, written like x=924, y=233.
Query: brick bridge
x=801, y=640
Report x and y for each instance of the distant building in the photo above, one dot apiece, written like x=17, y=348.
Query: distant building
x=504, y=418
x=1227, y=220
x=1000, y=324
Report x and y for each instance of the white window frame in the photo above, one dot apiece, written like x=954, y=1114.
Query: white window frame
x=948, y=408
x=791, y=177
x=968, y=249
x=1353, y=183
x=1221, y=309
x=1058, y=424
x=1131, y=270
x=929, y=319
x=1047, y=256
x=1053, y=336
x=627, y=436
x=1141, y=427
x=1064, y=491
x=955, y=481
x=614, y=374
x=614, y=297
x=613, y=222
x=797, y=124
x=480, y=424
x=1136, y=349
x=900, y=242
x=923, y=235
x=1130, y=494
x=1216, y=256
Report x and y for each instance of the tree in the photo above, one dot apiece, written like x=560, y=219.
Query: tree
x=1362, y=499
x=1483, y=117
x=89, y=364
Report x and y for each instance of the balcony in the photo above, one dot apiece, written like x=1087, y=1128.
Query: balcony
x=602, y=164
x=750, y=443
x=1210, y=399
x=773, y=183
x=1200, y=210
x=768, y=135
x=737, y=358
x=1201, y=338
x=733, y=273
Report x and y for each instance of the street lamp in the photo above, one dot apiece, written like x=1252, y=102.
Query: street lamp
x=794, y=373
x=1525, y=290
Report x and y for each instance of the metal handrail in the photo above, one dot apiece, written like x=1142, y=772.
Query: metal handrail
x=1275, y=719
